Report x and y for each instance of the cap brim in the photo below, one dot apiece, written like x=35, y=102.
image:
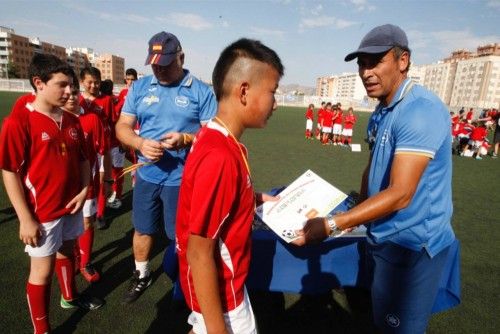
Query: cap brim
x=368, y=50
x=160, y=59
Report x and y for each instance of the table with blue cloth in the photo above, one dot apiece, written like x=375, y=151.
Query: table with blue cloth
x=334, y=263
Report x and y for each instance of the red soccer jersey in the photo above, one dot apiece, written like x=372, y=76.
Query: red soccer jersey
x=320, y=115
x=96, y=143
x=309, y=114
x=47, y=156
x=216, y=201
x=349, y=121
x=327, y=117
x=338, y=119
x=478, y=133
x=103, y=107
x=22, y=102
x=469, y=115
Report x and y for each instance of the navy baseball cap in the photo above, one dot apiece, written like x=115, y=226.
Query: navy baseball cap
x=162, y=49
x=380, y=39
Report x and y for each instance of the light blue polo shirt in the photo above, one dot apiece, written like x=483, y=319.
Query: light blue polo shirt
x=161, y=109
x=416, y=123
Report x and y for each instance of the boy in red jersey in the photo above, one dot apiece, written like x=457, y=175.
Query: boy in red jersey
x=477, y=137
x=118, y=152
x=337, y=124
x=326, y=123
x=92, y=101
x=309, y=121
x=217, y=200
x=349, y=121
x=96, y=144
x=320, y=119
x=46, y=175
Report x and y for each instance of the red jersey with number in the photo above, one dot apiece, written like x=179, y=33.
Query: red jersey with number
x=349, y=121
x=96, y=143
x=216, y=201
x=47, y=155
x=309, y=114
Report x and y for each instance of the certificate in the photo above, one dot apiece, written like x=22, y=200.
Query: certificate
x=307, y=197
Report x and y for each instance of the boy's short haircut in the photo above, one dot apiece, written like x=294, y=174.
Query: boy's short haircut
x=106, y=87
x=74, y=77
x=131, y=71
x=44, y=66
x=242, y=48
x=92, y=71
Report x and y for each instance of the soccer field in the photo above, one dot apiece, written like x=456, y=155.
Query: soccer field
x=278, y=154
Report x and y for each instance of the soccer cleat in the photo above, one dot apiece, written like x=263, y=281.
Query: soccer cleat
x=494, y=156
x=479, y=158
x=85, y=302
x=116, y=204
x=136, y=287
x=90, y=274
x=101, y=223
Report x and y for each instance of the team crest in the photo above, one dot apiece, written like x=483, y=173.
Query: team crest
x=73, y=133
x=182, y=101
x=392, y=320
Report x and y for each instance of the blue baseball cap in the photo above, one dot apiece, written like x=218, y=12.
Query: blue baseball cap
x=162, y=49
x=380, y=39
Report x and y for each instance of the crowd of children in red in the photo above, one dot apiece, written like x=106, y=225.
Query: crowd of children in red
x=469, y=135
x=332, y=125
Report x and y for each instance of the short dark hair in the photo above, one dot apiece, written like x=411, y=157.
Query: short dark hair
x=45, y=66
x=74, y=77
x=398, y=51
x=106, y=87
x=242, y=48
x=131, y=71
x=90, y=70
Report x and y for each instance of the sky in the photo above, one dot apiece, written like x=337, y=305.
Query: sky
x=311, y=37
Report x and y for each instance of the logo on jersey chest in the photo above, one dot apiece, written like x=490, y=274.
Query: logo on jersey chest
x=181, y=101
x=45, y=136
x=73, y=133
x=149, y=100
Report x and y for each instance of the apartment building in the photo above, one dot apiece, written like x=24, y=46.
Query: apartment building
x=324, y=86
x=111, y=67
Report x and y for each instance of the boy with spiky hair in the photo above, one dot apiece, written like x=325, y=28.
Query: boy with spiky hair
x=217, y=199
x=46, y=175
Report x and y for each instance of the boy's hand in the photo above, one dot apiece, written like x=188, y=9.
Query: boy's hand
x=172, y=140
x=263, y=197
x=29, y=232
x=77, y=201
x=151, y=149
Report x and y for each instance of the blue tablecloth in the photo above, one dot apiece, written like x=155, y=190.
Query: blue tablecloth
x=334, y=263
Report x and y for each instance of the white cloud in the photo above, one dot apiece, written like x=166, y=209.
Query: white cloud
x=266, y=32
x=362, y=5
x=493, y=4
x=324, y=21
x=449, y=40
x=186, y=20
x=317, y=10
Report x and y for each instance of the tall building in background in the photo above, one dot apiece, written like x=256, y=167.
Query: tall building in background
x=16, y=52
x=324, y=86
x=111, y=67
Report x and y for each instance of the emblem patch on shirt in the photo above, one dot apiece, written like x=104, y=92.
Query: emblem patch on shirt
x=149, y=100
x=392, y=320
x=73, y=133
x=45, y=136
x=182, y=101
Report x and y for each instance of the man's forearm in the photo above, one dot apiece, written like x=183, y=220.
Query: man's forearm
x=126, y=135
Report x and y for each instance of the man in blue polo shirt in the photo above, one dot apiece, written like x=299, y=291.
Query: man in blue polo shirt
x=405, y=196
x=169, y=107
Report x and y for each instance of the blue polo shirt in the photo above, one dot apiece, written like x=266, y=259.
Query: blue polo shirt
x=414, y=123
x=161, y=109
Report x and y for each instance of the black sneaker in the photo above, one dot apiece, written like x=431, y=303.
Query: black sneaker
x=85, y=302
x=136, y=287
x=101, y=223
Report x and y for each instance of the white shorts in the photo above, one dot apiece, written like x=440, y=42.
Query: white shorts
x=347, y=132
x=100, y=161
x=475, y=143
x=337, y=129
x=68, y=227
x=117, y=157
x=238, y=321
x=326, y=129
x=89, y=208
x=309, y=124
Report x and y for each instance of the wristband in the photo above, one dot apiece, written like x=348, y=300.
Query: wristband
x=334, y=229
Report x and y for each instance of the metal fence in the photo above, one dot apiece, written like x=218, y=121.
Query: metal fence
x=305, y=100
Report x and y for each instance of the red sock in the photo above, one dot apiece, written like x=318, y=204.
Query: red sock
x=349, y=140
x=118, y=185
x=38, y=304
x=85, y=242
x=101, y=202
x=66, y=277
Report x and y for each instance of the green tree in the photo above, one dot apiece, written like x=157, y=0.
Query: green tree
x=12, y=70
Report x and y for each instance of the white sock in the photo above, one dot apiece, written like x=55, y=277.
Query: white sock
x=143, y=268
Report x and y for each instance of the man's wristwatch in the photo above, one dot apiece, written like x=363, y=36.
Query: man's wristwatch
x=334, y=230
